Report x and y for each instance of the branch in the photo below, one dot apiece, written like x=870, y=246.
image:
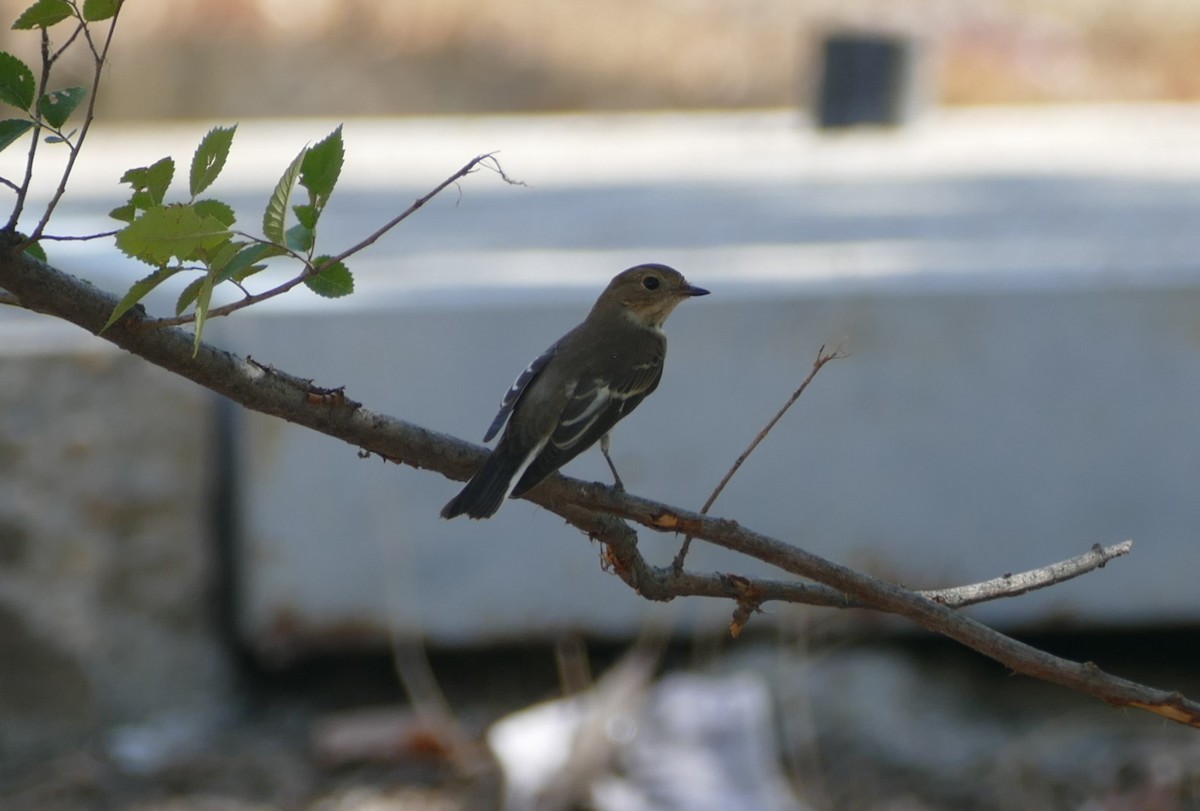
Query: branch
x=593, y=508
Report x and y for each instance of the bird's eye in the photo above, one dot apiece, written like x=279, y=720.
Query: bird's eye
x=651, y=282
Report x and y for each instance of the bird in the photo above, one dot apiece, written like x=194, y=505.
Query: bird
x=572, y=394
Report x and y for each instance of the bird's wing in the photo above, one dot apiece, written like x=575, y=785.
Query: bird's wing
x=594, y=407
x=513, y=395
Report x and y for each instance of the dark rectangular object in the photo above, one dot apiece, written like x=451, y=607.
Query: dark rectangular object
x=864, y=80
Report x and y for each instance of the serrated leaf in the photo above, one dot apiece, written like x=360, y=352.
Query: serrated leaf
x=177, y=231
x=277, y=206
x=210, y=158
x=11, y=129
x=321, y=168
x=154, y=180
x=334, y=281
x=216, y=209
x=136, y=293
x=188, y=295
x=43, y=14
x=36, y=250
x=16, y=82
x=214, y=256
x=307, y=215
x=239, y=267
x=246, y=272
x=299, y=238
x=125, y=213
x=96, y=10
x=56, y=107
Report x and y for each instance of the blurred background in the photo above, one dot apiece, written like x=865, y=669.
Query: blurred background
x=249, y=58
x=990, y=206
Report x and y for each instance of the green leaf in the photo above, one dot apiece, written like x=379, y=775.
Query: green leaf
x=16, y=82
x=56, y=107
x=299, y=238
x=36, y=250
x=143, y=200
x=307, y=215
x=96, y=10
x=246, y=272
x=321, y=168
x=154, y=179
x=210, y=158
x=203, y=299
x=11, y=129
x=43, y=14
x=334, y=281
x=189, y=294
x=125, y=213
x=176, y=231
x=137, y=293
x=219, y=267
x=246, y=261
x=216, y=209
x=277, y=206
x=220, y=257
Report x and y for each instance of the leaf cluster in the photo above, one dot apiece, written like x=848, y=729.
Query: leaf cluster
x=44, y=109
x=198, y=235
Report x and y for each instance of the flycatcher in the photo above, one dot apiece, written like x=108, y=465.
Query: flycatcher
x=576, y=391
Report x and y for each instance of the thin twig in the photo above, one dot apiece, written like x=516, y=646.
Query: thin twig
x=35, y=137
x=662, y=583
x=823, y=358
x=79, y=237
x=89, y=117
x=311, y=270
x=1014, y=585
x=486, y=160
x=81, y=28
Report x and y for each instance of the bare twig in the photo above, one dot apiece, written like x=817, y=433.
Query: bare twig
x=823, y=358
x=81, y=28
x=1013, y=585
x=664, y=583
x=312, y=270
x=79, y=237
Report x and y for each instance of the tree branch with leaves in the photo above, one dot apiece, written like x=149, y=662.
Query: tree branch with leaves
x=197, y=235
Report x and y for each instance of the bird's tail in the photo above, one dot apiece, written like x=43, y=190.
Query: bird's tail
x=487, y=489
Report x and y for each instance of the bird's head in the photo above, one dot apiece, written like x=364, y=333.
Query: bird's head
x=648, y=293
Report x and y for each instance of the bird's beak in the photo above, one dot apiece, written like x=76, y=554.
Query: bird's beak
x=692, y=290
